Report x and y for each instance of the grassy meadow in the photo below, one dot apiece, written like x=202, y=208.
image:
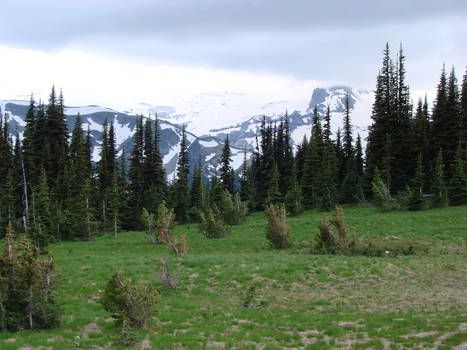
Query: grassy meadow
x=294, y=299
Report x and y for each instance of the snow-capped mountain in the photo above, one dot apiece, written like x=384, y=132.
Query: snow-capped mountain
x=205, y=133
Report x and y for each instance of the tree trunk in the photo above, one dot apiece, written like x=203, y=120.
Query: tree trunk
x=88, y=225
x=115, y=224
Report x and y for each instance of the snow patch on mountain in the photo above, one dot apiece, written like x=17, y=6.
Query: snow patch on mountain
x=85, y=110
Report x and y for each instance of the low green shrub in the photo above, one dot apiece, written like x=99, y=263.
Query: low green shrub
x=27, y=287
x=276, y=229
x=233, y=209
x=130, y=306
x=344, y=243
x=212, y=226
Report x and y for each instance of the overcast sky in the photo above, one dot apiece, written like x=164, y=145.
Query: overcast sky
x=122, y=51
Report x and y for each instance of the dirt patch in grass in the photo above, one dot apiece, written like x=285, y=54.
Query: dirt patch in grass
x=91, y=328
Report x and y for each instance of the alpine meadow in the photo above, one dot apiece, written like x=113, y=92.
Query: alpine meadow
x=290, y=230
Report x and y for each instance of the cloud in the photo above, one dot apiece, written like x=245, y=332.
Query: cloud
x=302, y=38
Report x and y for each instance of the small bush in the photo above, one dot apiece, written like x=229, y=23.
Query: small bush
x=233, y=209
x=329, y=242
x=212, y=226
x=166, y=277
x=165, y=223
x=342, y=242
x=27, y=287
x=149, y=220
x=382, y=198
x=130, y=306
x=277, y=230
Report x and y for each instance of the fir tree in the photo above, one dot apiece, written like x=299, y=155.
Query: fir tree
x=439, y=189
x=181, y=204
x=245, y=186
x=274, y=196
x=416, y=188
x=135, y=173
x=226, y=172
x=457, y=189
x=294, y=197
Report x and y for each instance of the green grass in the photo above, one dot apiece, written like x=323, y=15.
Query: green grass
x=300, y=300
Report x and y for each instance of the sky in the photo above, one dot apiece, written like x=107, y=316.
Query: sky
x=119, y=53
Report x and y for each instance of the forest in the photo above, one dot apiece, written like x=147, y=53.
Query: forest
x=416, y=158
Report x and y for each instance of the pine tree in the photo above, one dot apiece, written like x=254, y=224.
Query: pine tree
x=196, y=197
x=135, y=174
x=286, y=161
x=446, y=119
x=464, y=109
x=416, y=188
x=148, y=158
x=313, y=168
x=274, y=196
x=457, y=189
x=347, y=135
x=181, y=205
x=43, y=214
x=158, y=179
x=245, y=185
x=226, y=172
x=57, y=135
x=294, y=197
x=439, y=189
x=300, y=158
x=28, y=139
x=114, y=202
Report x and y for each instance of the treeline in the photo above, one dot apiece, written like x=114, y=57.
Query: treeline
x=51, y=189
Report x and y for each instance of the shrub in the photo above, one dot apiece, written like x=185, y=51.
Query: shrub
x=27, y=292
x=382, y=198
x=165, y=223
x=149, y=220
x=329, y=242
x=277, y=230
x=233, y=209
x=166, y=277
x=342, y=242
x=294, y=201
x=129, y=305
x=212, y=226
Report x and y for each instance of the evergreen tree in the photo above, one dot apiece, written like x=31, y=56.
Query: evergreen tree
x=439, y=189
x=347, y=136
x=148, y=158
x=416, y=188
x=57, y=135
x=446, y=119
x=274, y=196
x=78, y=159
x=42, y=229
x=457, y=190
x=313, y=167
x=300, y=158
x=265, y=170
x=28, y=142
x=181, y=204
x=135, y=174
x=196, y=196
x=463, y=101
x=294, y=197
x=226, y=172
x=286, y=161
x=245, y=185
x=158, y=179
